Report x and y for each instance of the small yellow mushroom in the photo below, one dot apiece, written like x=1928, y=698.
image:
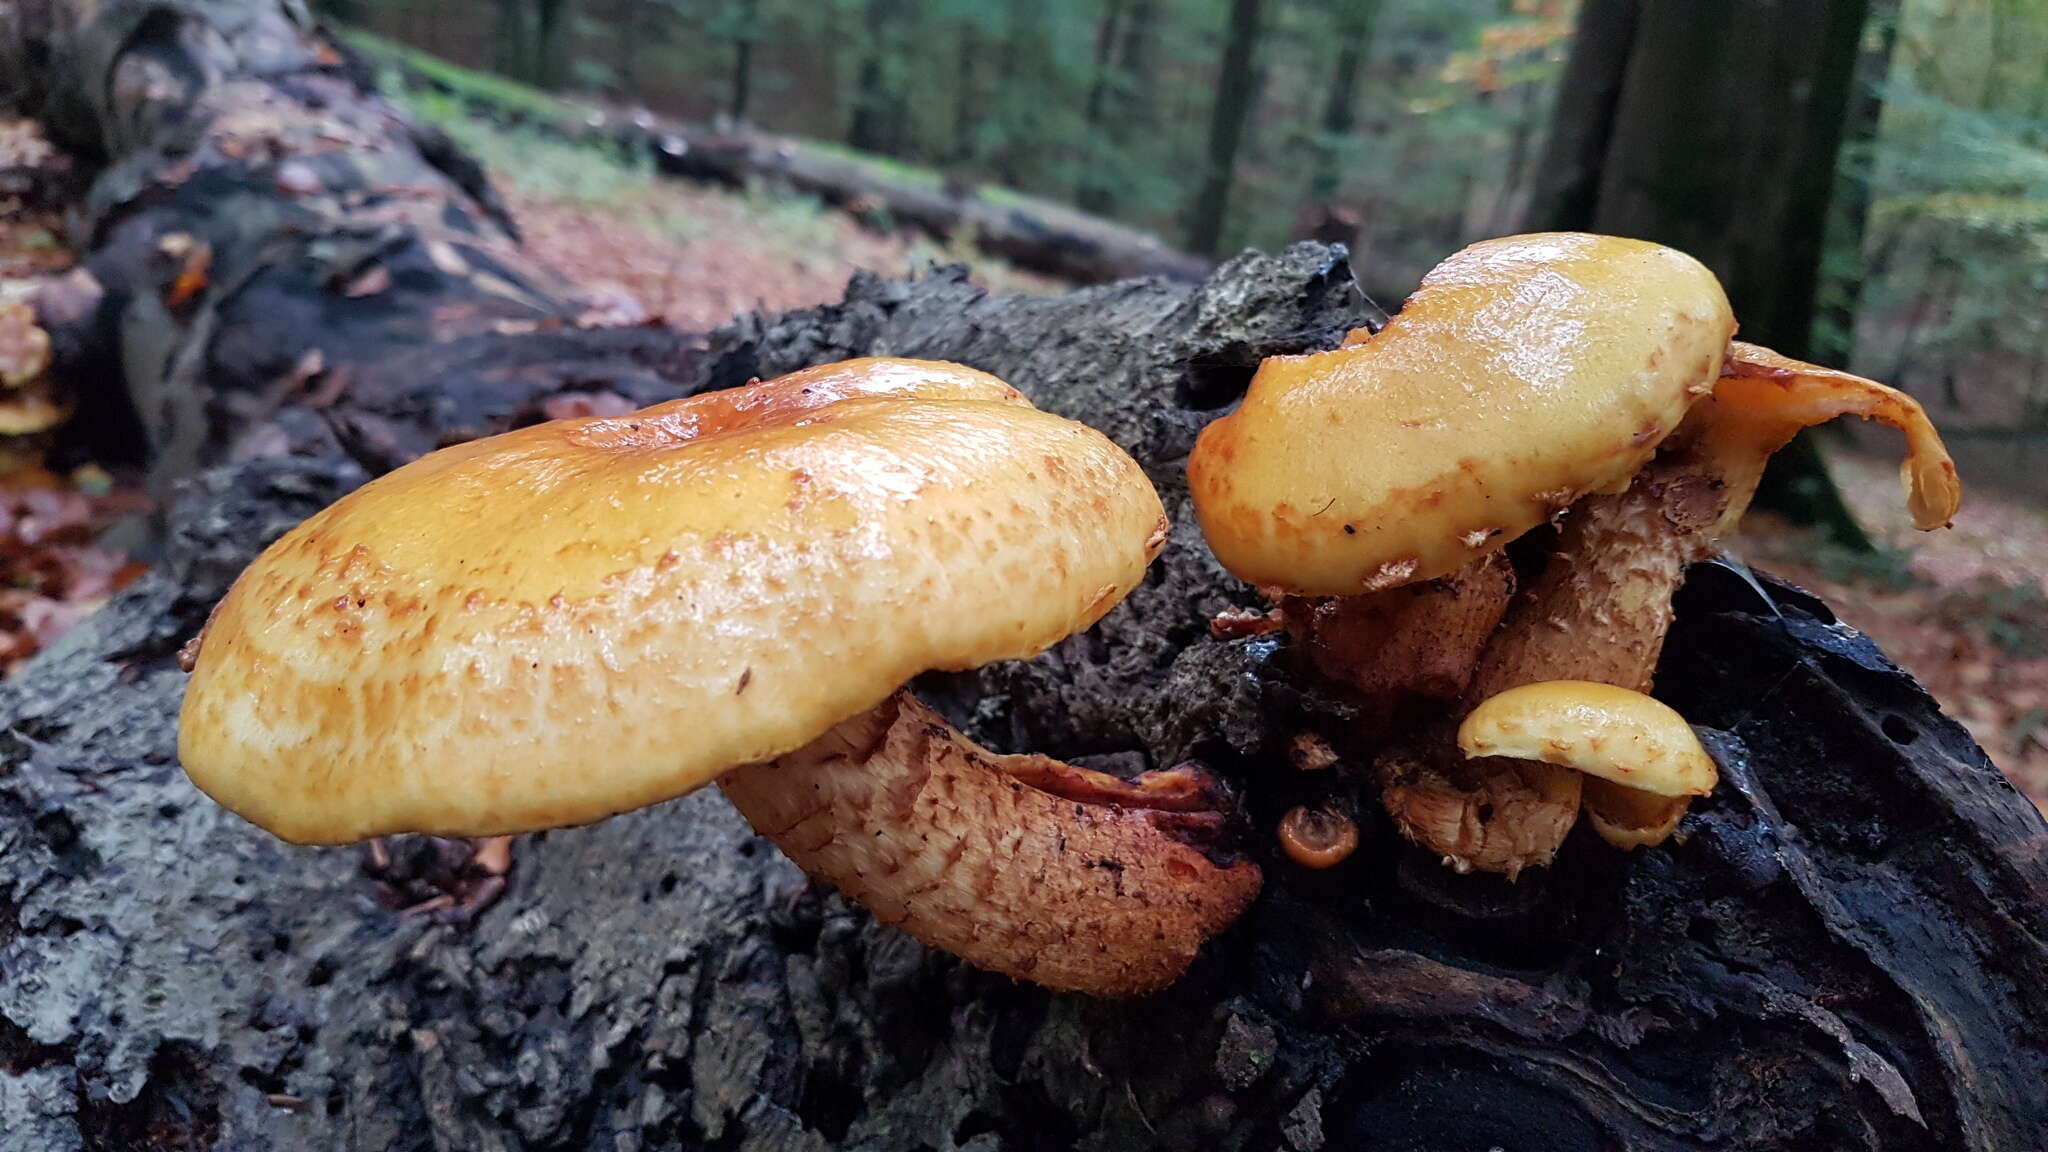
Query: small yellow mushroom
x=1606, y=732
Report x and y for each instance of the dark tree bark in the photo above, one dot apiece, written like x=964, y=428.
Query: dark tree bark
x=1713, y=127
x=1566, y=194
x=1843, y=949
x=1236, y=86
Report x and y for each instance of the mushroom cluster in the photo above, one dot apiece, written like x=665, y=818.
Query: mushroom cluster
x=567, y=621
x=1587, y=381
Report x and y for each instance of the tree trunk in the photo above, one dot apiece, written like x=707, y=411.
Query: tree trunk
x=1843, y=949
x=967, y=98
x=1566, y=194
x=1352, y=29
x=550, y=52
x=1129, y=104
x=626, y=47
x=1713, y=126
x=1235, y=85
x=877, y=106
x=1835, y=335
x=513, y=46
x=1017, y=95
x=1096, y=138
x=749, y=30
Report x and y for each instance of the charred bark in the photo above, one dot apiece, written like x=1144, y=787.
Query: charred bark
x=1842, y=949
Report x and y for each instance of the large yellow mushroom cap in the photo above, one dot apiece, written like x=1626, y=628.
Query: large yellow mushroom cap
x=1524, y=372
x=587, y=616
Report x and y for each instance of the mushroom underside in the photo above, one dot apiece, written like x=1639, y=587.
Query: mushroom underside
x=1022, y=865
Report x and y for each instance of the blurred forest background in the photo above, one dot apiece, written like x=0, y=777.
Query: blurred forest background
x=1903, y=230
x=1406, y=127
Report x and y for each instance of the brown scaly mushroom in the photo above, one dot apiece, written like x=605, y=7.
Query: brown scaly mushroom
x=1524, y=374
x=571, y=620
x=1602, y=606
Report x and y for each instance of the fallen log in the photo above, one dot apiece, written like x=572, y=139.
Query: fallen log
x=1842, y=949
x=1031, y=233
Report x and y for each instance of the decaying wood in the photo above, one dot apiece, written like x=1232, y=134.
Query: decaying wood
x=1841, y=949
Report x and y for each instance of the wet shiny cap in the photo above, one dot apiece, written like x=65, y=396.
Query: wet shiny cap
x=588, y=616
x=1523, y=374
x=1626, y=737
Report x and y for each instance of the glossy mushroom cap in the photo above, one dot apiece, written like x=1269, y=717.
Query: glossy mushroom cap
x=1598, y=729
x=1524, y=373
x=588, y=616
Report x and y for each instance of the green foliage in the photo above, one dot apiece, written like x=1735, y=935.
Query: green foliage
x=459, y=83
x=1958, y=240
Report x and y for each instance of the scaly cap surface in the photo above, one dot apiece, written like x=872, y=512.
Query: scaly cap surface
x=588, y=616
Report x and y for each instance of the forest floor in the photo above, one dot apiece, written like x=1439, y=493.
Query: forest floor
x=1965, y=610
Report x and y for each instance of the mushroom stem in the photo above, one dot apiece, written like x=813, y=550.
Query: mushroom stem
x=1601, y=609
x=1492, y=814
x=1598, y=612
x=1418, y=641
x=1023, y=865
x=1602, y=606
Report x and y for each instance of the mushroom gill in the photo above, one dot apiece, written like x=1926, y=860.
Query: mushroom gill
x=1018, y=864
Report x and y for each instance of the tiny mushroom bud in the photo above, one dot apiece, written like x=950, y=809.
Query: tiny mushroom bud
x=588, y=616
x=1317, y=837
